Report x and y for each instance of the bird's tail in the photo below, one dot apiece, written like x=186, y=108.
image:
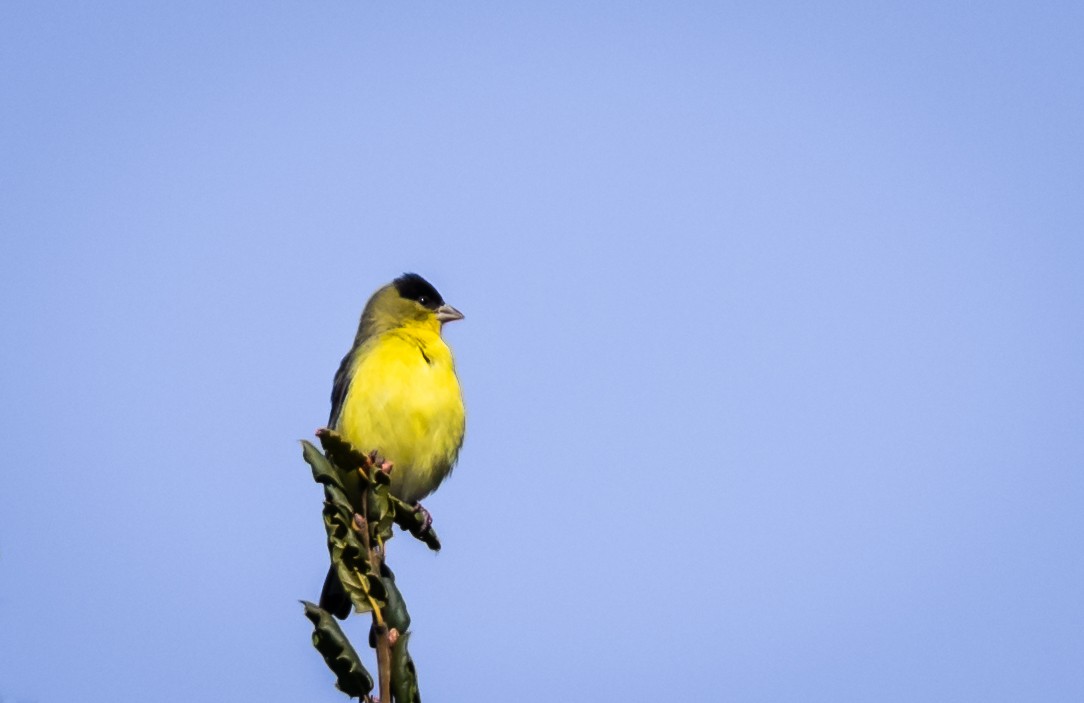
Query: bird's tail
x=333, y=597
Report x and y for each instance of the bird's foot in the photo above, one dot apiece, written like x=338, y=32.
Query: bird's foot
x=380, y=462
x=427, y=519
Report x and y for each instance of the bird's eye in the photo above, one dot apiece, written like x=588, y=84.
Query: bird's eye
x=423, y=300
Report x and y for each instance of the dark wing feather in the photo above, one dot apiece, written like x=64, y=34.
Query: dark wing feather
x=339, y=388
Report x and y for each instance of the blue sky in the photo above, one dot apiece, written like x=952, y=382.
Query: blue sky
x=773, y=349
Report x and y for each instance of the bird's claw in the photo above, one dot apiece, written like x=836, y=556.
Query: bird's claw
x=427, y=519
x=380, y=462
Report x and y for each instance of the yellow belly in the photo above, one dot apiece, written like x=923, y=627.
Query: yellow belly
x=405, y=403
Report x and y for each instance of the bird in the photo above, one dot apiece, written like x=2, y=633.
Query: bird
x=396, y=394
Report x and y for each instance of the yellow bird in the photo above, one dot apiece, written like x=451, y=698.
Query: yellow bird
x=396, y=393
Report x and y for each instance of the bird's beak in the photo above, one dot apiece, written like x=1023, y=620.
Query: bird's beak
x=446, y=313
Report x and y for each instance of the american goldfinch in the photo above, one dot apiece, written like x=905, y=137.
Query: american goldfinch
x=396, y=394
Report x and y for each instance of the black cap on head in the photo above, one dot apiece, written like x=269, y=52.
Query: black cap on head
x=413, y=287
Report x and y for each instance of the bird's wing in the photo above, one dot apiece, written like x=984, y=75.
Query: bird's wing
x=341, y=385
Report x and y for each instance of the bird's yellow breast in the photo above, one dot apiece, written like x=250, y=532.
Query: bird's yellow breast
x=404, y=402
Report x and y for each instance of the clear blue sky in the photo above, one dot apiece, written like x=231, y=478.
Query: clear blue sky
x=774, y=349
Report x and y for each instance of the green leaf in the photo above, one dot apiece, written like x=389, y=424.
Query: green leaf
x=351, y=564
x=350, y=675
x=347, y=551
x=343, y=454
x=404, y=677
x=381, y=513
x=412, y=520
x=326, y=471
x=395, y=612
x=322, y=469
x=342, y=496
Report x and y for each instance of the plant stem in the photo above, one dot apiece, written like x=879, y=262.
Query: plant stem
x=383, y=662
x=383, y=646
